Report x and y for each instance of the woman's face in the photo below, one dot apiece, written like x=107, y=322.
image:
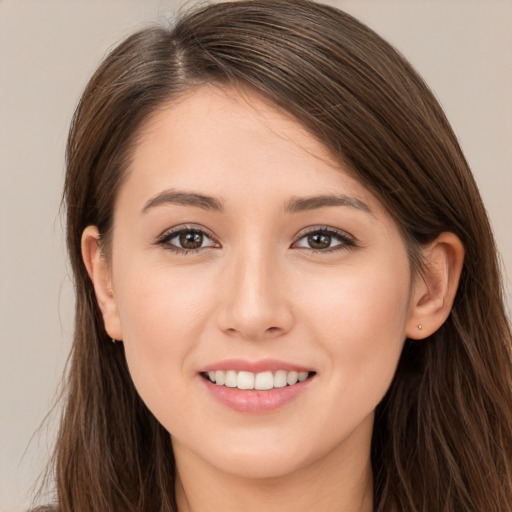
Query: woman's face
x=242, y=253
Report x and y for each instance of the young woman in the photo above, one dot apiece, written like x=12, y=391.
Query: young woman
x=288, y=295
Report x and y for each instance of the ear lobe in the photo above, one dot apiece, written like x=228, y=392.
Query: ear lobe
x=434, y=290
x=99, y=273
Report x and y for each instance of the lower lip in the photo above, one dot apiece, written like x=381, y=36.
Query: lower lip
x=253, y=401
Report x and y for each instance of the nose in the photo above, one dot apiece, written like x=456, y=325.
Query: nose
x=254, y=300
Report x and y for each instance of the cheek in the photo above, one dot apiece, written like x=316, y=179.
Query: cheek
x=162, y=315
x=361, y=324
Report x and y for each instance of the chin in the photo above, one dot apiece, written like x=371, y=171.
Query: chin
x=260, y=456
x=260, y=466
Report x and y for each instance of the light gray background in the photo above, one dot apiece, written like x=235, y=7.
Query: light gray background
x=48, y=49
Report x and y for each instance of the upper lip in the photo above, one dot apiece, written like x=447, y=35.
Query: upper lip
x=262, y=365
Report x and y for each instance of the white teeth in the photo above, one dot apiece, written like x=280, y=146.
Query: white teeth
x=263, y=381
x=292, y=378
x=280, y=379
x=260, y=381
x=231, y=379
x=245, y=380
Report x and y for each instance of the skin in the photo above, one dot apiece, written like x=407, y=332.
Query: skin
x=256, y=289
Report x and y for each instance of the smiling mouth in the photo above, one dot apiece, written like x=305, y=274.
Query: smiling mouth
x=256, y=381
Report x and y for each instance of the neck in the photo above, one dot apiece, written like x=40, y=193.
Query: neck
x=341, y=480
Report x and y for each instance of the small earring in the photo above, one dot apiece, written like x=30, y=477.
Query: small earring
x=113, y=341
x=420, y=327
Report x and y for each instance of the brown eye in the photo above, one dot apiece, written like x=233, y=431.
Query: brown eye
x=191, y=239
x=186, y=240
x=325, y=240
x=319, y=241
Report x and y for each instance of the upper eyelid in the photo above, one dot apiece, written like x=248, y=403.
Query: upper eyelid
x=171, y=232
x=326, y=229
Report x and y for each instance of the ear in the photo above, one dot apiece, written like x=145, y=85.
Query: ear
x=434, y=290
x=99, y=272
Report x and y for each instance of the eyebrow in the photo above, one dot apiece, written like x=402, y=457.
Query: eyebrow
x=303, y=204
x=184, y=198
x=295, y=205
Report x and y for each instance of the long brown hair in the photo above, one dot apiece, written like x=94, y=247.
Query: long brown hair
x=443, y=433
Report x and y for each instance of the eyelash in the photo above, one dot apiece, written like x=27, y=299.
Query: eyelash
x=345, y=240
x=164, y=240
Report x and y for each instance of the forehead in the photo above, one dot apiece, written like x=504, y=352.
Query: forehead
x=205, y=111
x=228, y=142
